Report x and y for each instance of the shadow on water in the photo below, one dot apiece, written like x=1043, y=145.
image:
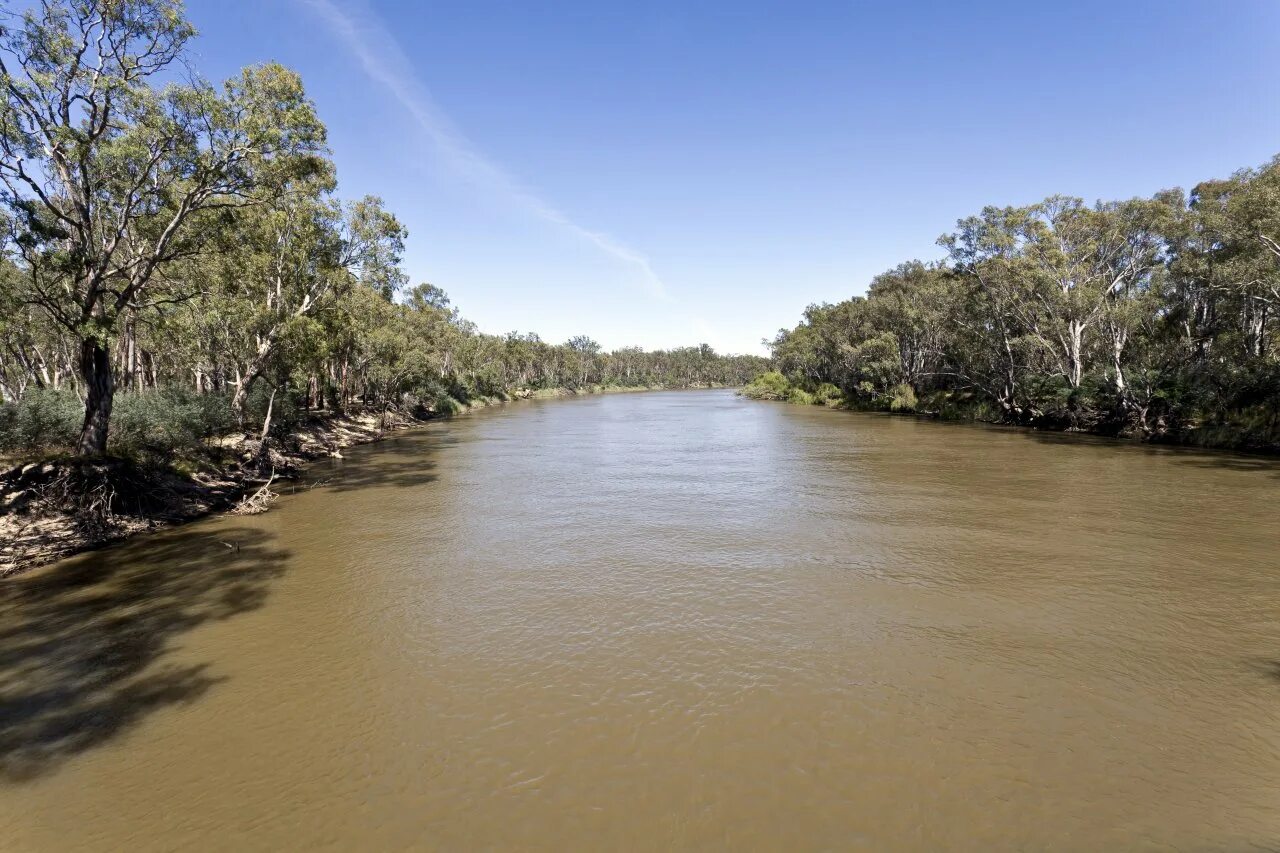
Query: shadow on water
x=1267, y=668
x=402, y=463
x=1221, y=460
x=83, y=644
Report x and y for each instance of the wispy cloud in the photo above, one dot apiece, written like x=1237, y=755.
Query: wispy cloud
x=383, y=60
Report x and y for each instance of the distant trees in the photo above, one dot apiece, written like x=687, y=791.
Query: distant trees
x=1152, y=316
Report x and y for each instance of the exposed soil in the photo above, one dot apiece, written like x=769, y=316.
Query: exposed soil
x=55, y=507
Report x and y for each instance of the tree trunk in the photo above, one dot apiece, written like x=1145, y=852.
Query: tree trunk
x=100, y=389
x=342, y=386
x=266, y=347
x=266, y=422
x=149, y=370
x=1117, y=350
x=1075, y=353
x=241, y=395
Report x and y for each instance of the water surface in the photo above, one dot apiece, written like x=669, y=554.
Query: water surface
x=673, y=620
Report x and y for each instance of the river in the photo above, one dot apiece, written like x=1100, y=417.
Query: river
x=669, y=620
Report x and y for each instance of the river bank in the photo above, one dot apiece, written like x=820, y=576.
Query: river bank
x=51, y=508
x=1254, y=431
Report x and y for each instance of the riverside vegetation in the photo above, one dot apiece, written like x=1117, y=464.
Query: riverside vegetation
x=186, y=300
x=1152, y=317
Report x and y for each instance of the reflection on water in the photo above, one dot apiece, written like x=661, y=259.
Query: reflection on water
x=670, y=620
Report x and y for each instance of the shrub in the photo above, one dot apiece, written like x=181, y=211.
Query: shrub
x=461, y=389
x=43, y=419
x=165, y=420
x=902, y=399
x=159, y=422
x=444, y=404
x=828, y=393
x=801, y=397
x=768, y=386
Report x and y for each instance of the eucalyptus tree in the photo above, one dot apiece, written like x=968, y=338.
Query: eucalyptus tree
x=32, y=353
x=983, y=251
x=294, y=258
x=583, y=354
x=110, y=176
x=1152, y=315
x=1132, y=260
x=1240, y=216
x=913, y=302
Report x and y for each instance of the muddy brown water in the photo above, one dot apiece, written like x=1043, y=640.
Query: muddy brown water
x=670, y=620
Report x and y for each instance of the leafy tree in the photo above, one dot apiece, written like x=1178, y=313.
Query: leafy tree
x=110, y=177
x=1151, y=316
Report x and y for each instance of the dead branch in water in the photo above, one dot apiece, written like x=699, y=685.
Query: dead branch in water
x=259, y=501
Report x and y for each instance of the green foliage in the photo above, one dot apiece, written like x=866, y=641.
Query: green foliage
x=164, y=421
x=115, y=168
x=828, y=393
x=43, y=419
x=768, y=386
x=1147, y=317
x=445, y=404
x=238, y=278
x=903, y=398
x=801, y=397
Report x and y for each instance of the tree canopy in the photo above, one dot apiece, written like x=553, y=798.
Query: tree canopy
x=163, y=232
x=1151, y=316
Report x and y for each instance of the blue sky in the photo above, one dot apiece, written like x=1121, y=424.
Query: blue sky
x=670, y=173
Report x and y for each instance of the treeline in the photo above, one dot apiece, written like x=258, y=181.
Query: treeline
x=177, y=256
x=1148, y=317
